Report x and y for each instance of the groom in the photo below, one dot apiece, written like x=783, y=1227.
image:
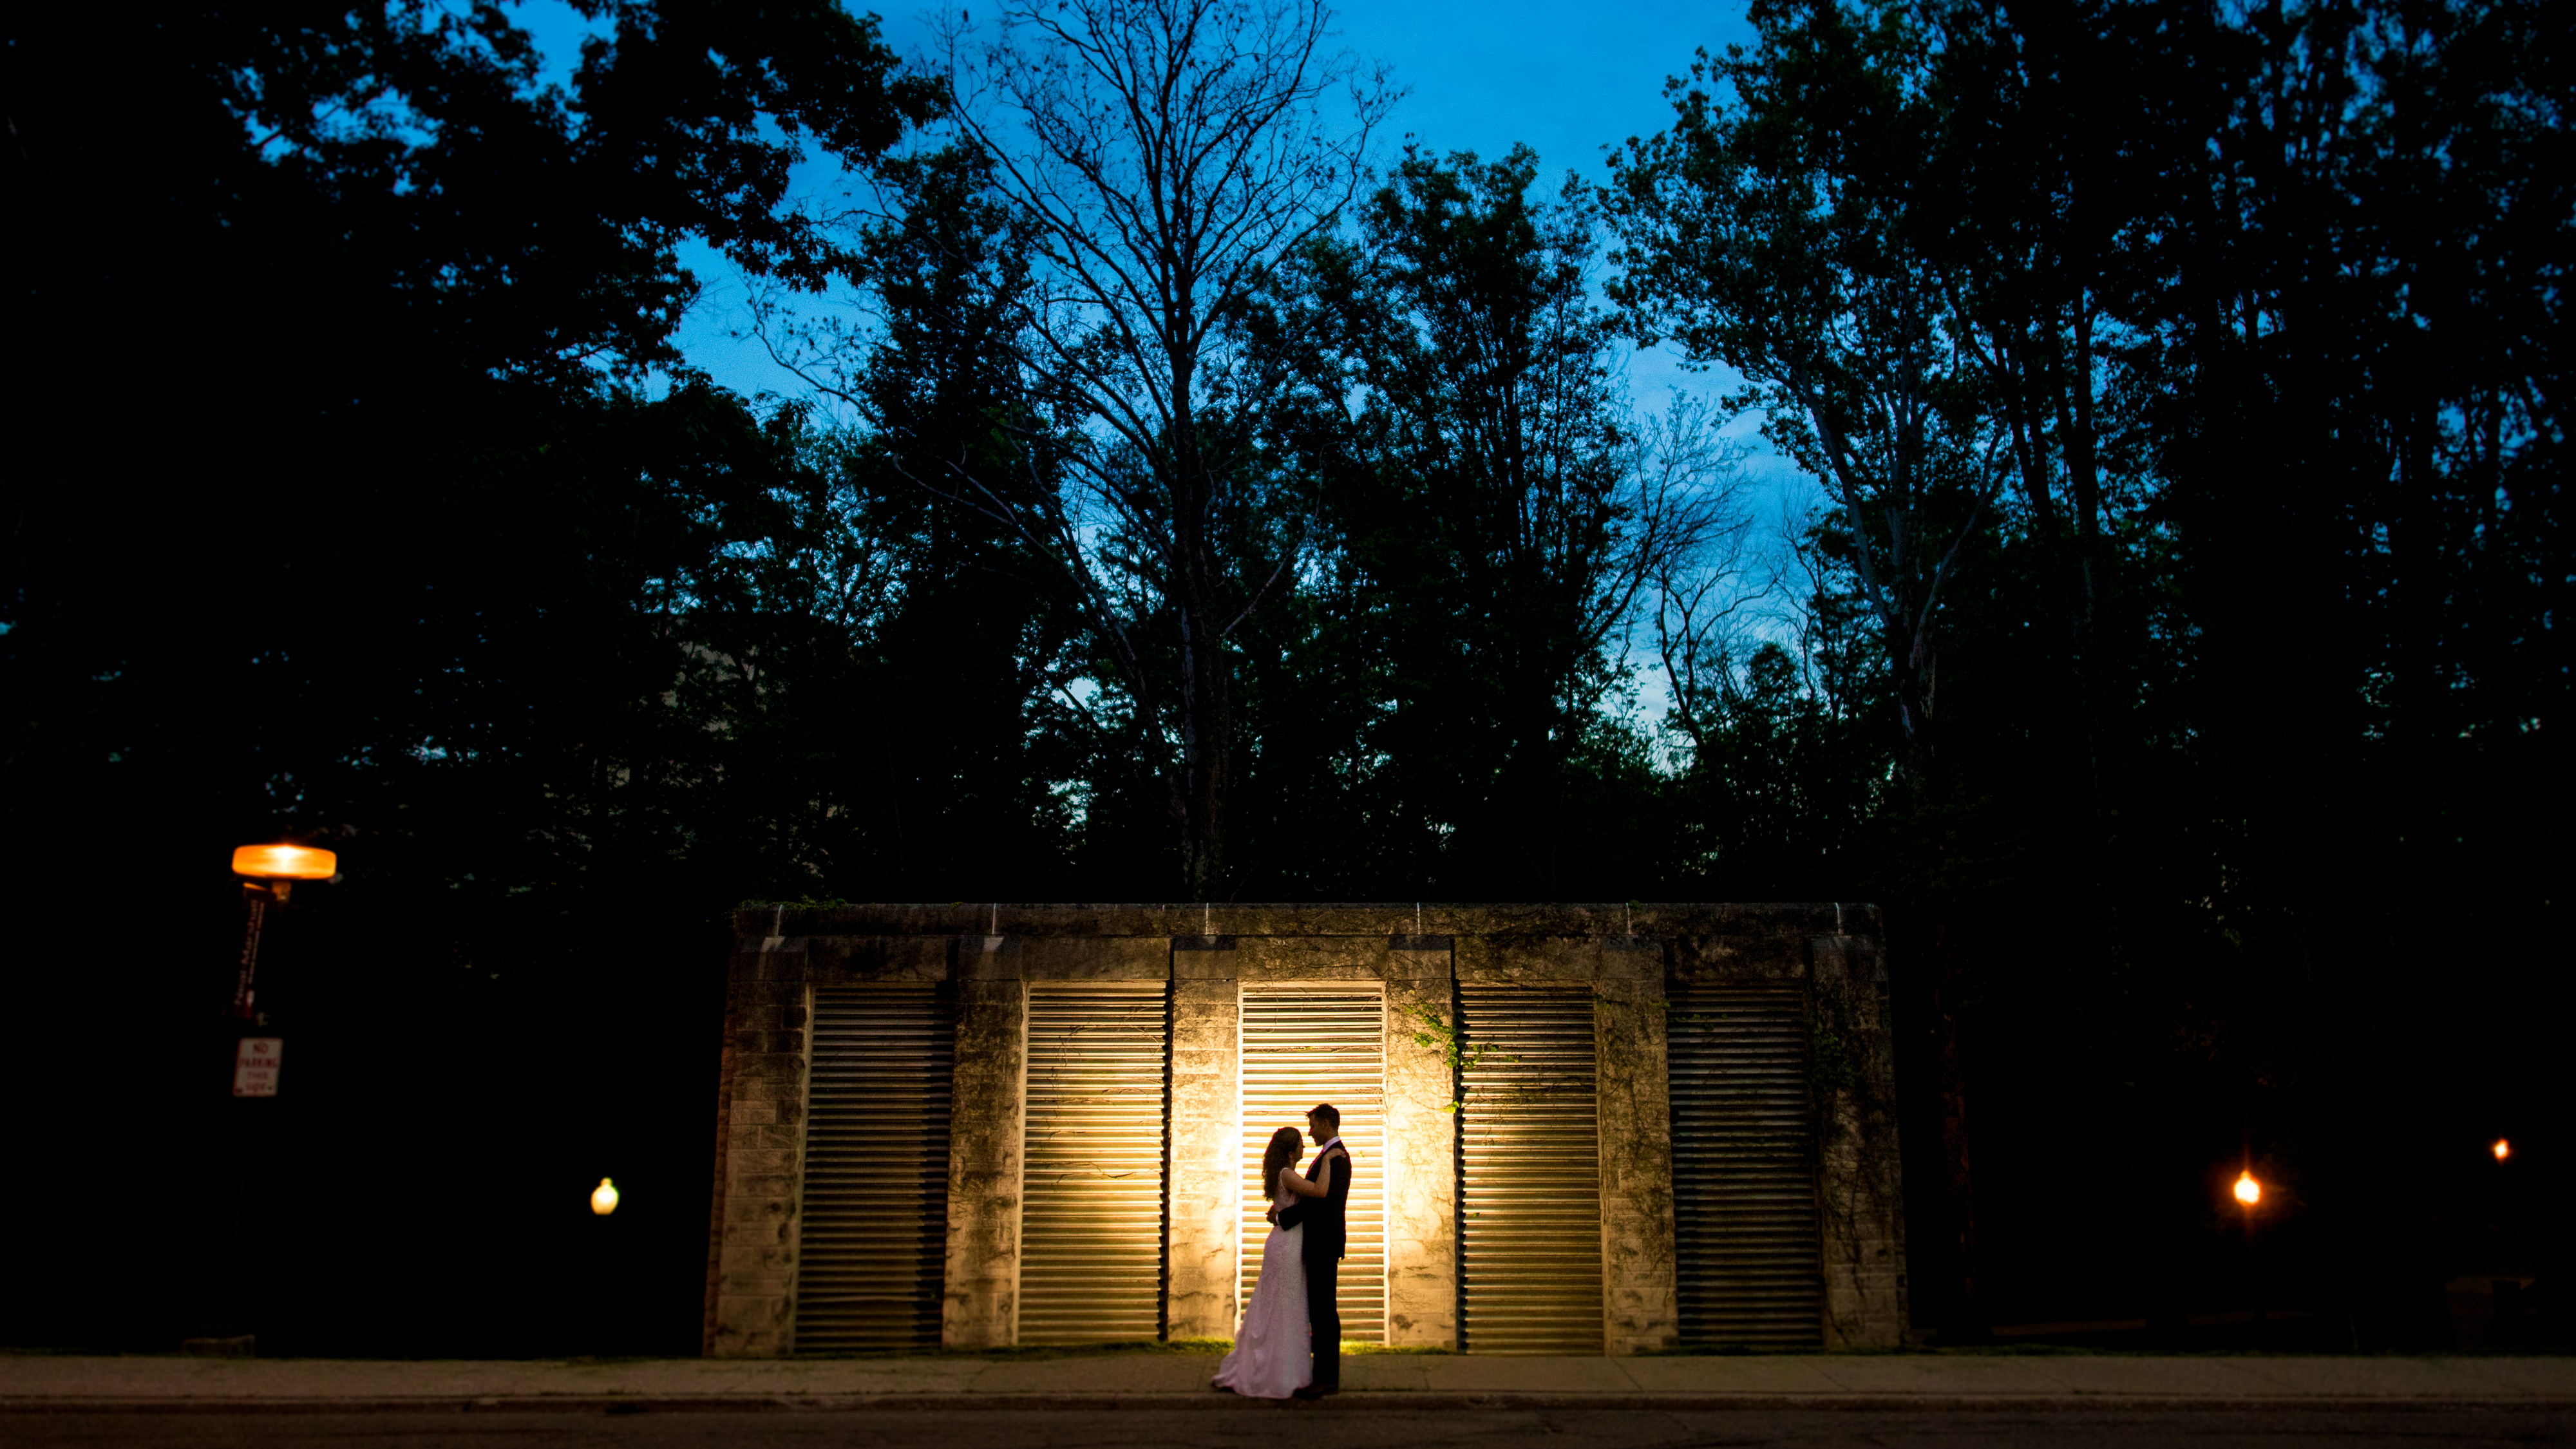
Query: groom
x=1327, y=1232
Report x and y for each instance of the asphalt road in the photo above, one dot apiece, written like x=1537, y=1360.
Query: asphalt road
x=1296, y=1427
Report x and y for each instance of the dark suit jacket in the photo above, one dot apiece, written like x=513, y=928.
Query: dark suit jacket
x=1326, y=1218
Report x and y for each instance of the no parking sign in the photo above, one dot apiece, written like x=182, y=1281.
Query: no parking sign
x=255, y=1066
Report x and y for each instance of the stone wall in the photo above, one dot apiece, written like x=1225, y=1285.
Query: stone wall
x=1421, y=1147
x=1639, y=1300
x=1859, y=1189
x=1419, y=954
x=988, y=1105
x=754, y=1313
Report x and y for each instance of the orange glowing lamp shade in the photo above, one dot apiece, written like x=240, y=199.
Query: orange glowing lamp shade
x=2248, y=1191
x=284, y=862
x=2503, y=1149
x=603, y=1198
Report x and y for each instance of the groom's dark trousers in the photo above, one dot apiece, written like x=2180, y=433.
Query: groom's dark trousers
x=1326, y=1220
x=1324, y=1317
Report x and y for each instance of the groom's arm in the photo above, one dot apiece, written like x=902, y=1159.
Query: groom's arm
x=1332, y=1182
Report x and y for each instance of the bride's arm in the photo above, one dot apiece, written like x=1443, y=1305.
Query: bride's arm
x=1289, y=1179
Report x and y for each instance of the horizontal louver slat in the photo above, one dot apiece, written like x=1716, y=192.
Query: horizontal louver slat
x=872, y=1245
x=1744, y=1195
x=1529, y=1173
x=1301, y=1047
x=1091, y=1228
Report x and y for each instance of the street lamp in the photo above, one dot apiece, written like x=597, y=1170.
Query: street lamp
x=269, y=873
x=284, y=862
x=2248, y=1193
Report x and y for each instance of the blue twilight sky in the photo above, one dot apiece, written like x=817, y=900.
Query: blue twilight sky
x=1568, y=79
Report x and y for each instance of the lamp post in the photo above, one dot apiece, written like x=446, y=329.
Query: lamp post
x=2248, y=1193
x=269, y=874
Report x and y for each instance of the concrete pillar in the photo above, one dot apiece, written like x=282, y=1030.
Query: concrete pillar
x=755, y=1290
x=1858, y=1184
x=1203, y=1175
x=1421, y=1147
x=985, y=1147
x=1641, y=1308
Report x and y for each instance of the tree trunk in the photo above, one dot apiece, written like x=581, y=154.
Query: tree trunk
x=1203, y=673
x=1203, y=760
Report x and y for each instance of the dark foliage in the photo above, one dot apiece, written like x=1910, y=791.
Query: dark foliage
x=2178, y=654
x=334, y=509
x=2224, y=765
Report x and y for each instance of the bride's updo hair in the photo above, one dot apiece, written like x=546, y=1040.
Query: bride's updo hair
x=1285, y=1144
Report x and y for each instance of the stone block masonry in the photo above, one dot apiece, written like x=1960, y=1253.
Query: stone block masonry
x=1861, y=1196
x=1628, y=956
x=981, y=1308
x=1206, y=1131
x=1640, y=1305
x=1421, y=1147
x=752, y=1313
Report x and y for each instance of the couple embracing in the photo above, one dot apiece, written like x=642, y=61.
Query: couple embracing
x=1290, y=1345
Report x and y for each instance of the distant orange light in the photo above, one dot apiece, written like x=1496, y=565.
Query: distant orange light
x=284, y=862
x=603, y=1198
x=2248, y=1191
x=2503, y=1149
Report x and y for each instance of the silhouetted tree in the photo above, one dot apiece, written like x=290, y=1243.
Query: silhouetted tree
x=1166, y=160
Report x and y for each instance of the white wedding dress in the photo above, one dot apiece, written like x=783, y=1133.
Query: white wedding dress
x=1272, y=1357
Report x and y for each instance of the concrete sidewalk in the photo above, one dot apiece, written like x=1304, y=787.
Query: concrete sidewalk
x=43, y=1383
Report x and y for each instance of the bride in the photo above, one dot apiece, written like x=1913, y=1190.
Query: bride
x=1271, y=1357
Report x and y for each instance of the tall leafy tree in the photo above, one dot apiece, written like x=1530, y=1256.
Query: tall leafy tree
x=1499, y=519
x=1167, y=159
x=2215, y=288
x=1775, y=235
x=2354, y=389
x=967, y=796
x=376, y=548
x=1773, y=230
x=408, y=260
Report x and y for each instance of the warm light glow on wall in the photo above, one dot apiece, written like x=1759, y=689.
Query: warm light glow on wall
x=603, y=1198
x=284, y=862
x=2503, y=1149
x=2248, y=1191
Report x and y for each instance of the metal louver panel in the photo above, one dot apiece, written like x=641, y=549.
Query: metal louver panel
x=1302, y=1046
x=1744, y=1168
x=872, y=1240
x=1091, y=1206
x=1529, y=1209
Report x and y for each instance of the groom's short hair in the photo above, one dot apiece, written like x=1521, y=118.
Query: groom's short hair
x=1325, y=1111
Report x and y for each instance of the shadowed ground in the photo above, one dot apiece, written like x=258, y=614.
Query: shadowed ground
x=1087, y=1379
x=1357, y=1426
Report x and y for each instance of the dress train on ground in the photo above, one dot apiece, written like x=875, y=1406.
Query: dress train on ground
x=1272, y=1358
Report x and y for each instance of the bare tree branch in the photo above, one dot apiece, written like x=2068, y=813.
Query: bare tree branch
x=1167, y=156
